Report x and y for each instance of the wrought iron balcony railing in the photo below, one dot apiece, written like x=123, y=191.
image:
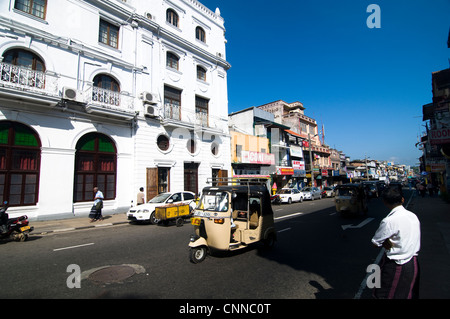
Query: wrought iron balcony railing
x=27, y=79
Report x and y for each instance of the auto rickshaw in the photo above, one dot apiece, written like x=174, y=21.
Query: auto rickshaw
x=232, y=216
x=350, y=198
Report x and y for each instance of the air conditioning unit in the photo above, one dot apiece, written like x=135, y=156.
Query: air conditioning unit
x=71, y=94
x=148, y=98
x=151, y=111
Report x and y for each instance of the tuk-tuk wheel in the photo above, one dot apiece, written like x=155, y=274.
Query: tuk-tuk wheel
x=197, y=254
x=269, y=242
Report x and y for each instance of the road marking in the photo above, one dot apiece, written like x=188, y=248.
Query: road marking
x=287, y=216
x=72, y=247
x=283, y=230
x=364, y=223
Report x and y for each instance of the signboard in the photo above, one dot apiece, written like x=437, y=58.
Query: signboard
x=298, y=165
x=296, y=151
x=440, y=136
x=257, y=158
x=285, y=171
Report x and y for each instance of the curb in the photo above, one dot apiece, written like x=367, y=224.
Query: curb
x=62, y=230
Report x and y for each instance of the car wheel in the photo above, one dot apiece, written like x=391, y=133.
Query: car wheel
x=290, y=200
x=301, y=199
x=153, y=219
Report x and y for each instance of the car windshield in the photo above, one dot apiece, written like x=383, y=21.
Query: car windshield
x=214, y=201
x=306, y=189
x=159, y=198
x=285, y=191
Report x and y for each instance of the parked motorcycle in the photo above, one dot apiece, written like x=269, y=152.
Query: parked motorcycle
x=275, y=199
x=15, y=228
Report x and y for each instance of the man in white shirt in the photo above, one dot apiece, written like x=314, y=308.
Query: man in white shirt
x=96, y=210
x=399, y=234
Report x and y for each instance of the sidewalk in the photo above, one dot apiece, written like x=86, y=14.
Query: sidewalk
x=434, y=256
x=76, y=223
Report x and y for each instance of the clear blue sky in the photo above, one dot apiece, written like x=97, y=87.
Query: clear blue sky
x=367, y=86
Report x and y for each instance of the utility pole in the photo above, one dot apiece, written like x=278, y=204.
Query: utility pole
x=311, y=160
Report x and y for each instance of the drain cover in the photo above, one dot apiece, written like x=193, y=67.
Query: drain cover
x=112, y=274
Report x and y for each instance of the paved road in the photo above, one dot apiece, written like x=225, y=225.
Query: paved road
x=313, y=258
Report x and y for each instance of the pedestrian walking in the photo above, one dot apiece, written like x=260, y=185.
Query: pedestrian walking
x=140, y=197
x=96, y=210
x=421, y=188
x=399, y=234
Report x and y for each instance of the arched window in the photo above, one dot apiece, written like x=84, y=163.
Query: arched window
x=95, y=165
x=172, y=18
x=106, y=90
x=20, y=156
x=106, y=82
x=172, y=61
x=24, y=68
x=200, y=34
x=25, y=59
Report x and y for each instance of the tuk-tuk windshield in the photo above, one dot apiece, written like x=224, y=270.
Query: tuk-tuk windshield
x=346, y=192
x=214, y=201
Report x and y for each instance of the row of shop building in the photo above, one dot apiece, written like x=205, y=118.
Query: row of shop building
x=435, y=142
x=278, y=141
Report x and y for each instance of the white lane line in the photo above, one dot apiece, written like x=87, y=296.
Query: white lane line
x=287, y=216
x=72, y=247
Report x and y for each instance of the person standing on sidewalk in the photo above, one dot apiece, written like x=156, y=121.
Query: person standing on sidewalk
x=96, y=210
x=399, y=234
x=140, y=197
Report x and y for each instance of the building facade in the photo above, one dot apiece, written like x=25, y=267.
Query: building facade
x=114, y=94
x=311, y=157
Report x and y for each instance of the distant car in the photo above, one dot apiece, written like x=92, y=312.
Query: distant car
x=146, y=212
x=328, y=192
x=289, y=195
x=311, y=193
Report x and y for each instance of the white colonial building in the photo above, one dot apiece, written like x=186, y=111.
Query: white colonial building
x=109, y=93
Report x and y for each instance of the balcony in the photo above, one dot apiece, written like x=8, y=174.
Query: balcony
x=21, y=83
x=109, y=103
x=175, y=116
